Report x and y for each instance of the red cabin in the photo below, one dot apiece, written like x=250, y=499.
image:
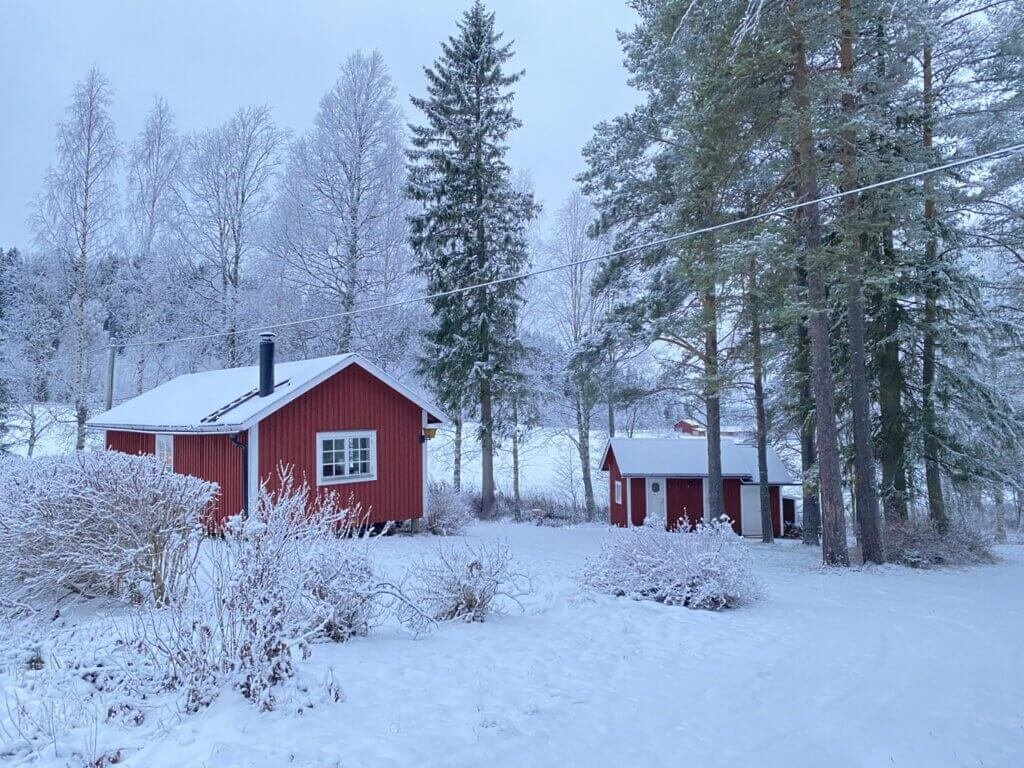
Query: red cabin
x=339, y=424
x=667, y=478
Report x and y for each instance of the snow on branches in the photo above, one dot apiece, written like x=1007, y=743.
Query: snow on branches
x=468, y=581
x=97, y=524
x=449, y=511
x=708, y=567
x=295, y=572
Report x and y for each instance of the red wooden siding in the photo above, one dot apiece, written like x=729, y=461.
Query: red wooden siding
x=617, y=511
x=351, y=400
x=684, y=502
x=217, y=459
x=131, y=442
x=731, y=502
x=638, y=489
x=775, y=493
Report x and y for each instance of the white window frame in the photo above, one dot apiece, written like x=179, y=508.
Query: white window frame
x=345, y=435
x=618, y=491
x=163, y=448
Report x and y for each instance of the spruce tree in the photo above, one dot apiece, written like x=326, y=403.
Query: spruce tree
x=471, y=225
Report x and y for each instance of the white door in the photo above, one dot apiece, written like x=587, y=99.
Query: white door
x=656, y=501
x=750, y=509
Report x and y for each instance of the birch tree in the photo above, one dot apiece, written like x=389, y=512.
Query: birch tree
x=223, y=195
x=76, y=214
x=340, y=220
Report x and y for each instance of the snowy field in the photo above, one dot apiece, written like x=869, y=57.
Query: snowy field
x=878, y=667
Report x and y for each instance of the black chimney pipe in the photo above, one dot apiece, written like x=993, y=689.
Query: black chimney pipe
x=266, y=364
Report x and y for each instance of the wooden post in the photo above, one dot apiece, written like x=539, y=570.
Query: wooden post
x=110, y=374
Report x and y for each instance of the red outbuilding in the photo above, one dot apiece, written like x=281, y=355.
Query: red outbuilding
x=339, y=424
x=667, y=478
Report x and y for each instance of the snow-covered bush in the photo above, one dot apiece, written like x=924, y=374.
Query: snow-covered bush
x=448, y=511
x=97, y=524
x=918, y=544
x=468, y=581
x=708, y=567
x=297, y=571
x=59, y=691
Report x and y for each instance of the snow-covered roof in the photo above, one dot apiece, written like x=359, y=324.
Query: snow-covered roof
x=688, y=457
x=228, y=400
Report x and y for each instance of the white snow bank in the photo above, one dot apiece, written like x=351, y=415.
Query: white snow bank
x=874, y=667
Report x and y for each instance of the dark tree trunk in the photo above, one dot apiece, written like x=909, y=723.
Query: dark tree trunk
x=611, y=415
x=767, y=533
x=457, y=457
x=517, y=502
x=865, y=489
x=834, y=550
x=487, y=498
x=583, y=445
x=712, y=400
x=892, y=417
x=808, y=454
x=933, y=479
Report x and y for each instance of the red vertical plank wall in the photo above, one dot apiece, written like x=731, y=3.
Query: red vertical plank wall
x=616, y=510
x=217, y=459
x=638, y=500
x=131, y=442
x=685, y=501
x=731, y=502
x=352, y=399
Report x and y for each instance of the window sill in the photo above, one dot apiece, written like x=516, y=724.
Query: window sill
x=346, y=480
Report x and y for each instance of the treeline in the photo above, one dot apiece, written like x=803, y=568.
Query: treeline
x=872, y=336
x=880, y=326
x=204, y=236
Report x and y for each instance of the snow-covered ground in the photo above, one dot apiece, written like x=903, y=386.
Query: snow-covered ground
x=548, y=459
x=873, y=667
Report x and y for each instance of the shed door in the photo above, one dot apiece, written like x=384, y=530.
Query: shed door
x=656, y=500
x=750, y=503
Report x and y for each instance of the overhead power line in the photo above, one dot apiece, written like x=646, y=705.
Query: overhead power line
x=1008, y=150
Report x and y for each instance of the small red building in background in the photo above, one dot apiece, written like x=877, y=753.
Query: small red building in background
x=667, y=477
x=338, y=424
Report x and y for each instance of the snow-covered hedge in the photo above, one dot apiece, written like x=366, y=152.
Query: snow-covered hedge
x=448, y=511
x=97, y=524
x=292, y=574
x=708, y=567
x=467, y=582
x=917, y=544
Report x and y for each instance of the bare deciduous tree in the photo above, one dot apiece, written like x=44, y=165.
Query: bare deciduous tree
x=76, y=212
x=223, y=194
x=340, y=223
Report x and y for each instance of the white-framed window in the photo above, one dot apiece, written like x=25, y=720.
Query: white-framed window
x=618, y=491
x=346, y=457
x=165, y=449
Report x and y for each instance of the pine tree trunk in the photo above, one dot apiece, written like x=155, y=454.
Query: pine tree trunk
x=611, y=417
x=767, y=532
x=487, y=496
x=833, y=551
x=933, y=479
x=811, y=523
x=892, y=418
x=457, y=457
x=865, y=489
x=716, y=507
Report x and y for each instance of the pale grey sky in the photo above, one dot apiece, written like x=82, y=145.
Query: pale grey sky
x=208, y=58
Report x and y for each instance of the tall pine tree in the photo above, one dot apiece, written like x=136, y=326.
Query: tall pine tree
x=471, y=225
